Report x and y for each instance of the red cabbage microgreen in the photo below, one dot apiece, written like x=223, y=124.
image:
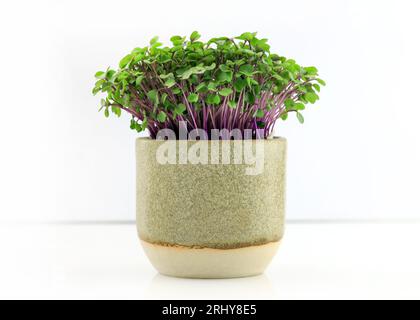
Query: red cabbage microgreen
x=225, y=83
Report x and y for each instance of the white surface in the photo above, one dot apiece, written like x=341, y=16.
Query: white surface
x=315, y=261
x=356, y=156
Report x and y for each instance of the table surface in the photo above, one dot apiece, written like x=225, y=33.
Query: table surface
x=315, y=261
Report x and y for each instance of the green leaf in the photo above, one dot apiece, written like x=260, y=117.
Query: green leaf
x=239, y=84
x=212, y=86
x=261, y=124
x=193, y=97
x=300, y=117
x=312, y=71
x=232, y=104
x=311, y=97
x=96, y=90
x=126, y=100
x=224, y=68
x=125, y=61
x=154, y=40
x=284, y=116
x=193, y=71
x=194, y=36
x=210, y=67
x=116, y=111
x=250, y=98
x=321, y=82
x=289, y=103
x=139, y=80
x=299, y=106
x=246, y=70
x=110, y=74
x=106, y=112
x=213, y=99
x=201, y=88
x=166, y=76
x=259, y=113
x=170, y=82
x=139, y=127
x=180, y=109
x=100, y=75
x=262, y=44
x=153, y=96
x=225, y=92
x=223, y=77
x=161, y=117
x=247, y=36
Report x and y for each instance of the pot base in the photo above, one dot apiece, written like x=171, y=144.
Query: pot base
x=208, y=263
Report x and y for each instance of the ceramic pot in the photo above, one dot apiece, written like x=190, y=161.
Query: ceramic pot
x=210, y=220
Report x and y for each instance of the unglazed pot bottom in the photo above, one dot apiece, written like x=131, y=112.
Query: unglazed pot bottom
x=209, y=263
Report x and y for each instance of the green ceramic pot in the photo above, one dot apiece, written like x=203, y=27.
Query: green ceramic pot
x=219, y=219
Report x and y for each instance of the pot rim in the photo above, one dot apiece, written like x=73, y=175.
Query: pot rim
x=270, y=139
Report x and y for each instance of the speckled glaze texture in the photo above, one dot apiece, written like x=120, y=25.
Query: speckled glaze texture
x=210, y=205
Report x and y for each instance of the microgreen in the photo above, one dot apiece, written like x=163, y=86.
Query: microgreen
x=224, y=83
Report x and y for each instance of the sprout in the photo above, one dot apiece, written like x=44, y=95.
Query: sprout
x=225, y=83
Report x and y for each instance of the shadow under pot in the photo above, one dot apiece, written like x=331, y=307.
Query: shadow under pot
x=210, y=209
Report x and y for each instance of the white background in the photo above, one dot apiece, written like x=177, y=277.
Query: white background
x=356, y=157
x=354, y=162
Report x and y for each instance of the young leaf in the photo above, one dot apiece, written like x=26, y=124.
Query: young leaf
x=163, y=97
x=213, y=99
x=239, y=84
x=193, y=97
x=223, y=77
x=201, y=88
x=289, y=103
x=153, y=96
x=225, y=92
x=180, y=109
x=321, y=82
x=212, y=86
x=312, y=71
x=138, y=127
x=311, y=97
x=166, y=76
x=96, y=90
x=232, y=104
x=154, y=40
x=246, y=70
x=161, y=117
x=247, y=36
x=194, y=36
x=300, y=117
x=299, y=106
x=170, y=82
x=259, y=113
x=100, y=75
x=125, y=61
x=177, y=40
